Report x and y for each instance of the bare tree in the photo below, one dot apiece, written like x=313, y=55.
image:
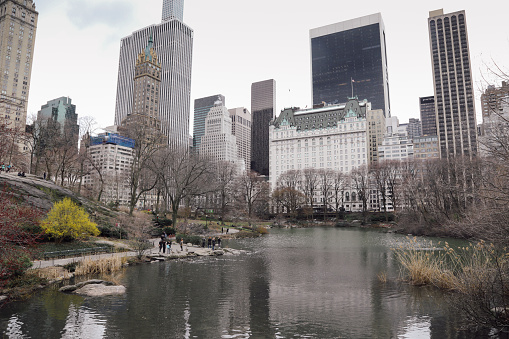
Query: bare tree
x=310, y=182
x=225, y=176
x=252, y=189
x=183, y=174
x=360, y=180
x=326, y=184
x=339, y=180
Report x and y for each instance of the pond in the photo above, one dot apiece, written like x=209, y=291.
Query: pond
x=298, y=283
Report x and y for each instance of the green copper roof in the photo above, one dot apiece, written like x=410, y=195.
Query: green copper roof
x=150, y=45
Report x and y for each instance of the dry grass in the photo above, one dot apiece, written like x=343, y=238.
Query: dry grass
x=102, y=266
x=382, y=277
x=51, y=273
x=459, y=269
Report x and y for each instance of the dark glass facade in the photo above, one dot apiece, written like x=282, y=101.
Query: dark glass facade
x=428, y=118
x=260, y=140
x=457, y=127
x=351, y=54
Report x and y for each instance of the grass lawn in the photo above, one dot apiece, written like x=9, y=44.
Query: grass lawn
x=67, y=246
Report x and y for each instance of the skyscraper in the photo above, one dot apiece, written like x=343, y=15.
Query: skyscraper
x=62, y=112
x=241, y=129
x=218, y=141
x=173, y=9
x=452, y=78
x=349, y=59
x=428, y=116
x=147, y=83
x=173, y=42
x=263, y=108
x=18, y=25
x=202, y=107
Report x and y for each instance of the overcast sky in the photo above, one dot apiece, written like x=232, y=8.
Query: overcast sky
x=238, y=42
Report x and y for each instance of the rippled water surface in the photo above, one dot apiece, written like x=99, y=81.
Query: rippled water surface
x=303, y=283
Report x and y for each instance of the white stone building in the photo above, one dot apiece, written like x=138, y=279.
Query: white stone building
x=110, y=158
x=218, y=141
x=396, y=146
x=332, y=137
x=241, y=129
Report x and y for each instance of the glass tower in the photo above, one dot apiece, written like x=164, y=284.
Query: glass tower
x=263, y=108
x=452, y=77
x=428, y=118
x=349, y=59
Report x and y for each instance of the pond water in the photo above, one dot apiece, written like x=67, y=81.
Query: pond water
x=300, y=283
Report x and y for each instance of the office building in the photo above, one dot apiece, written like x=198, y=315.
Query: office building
x=396, y=146
x=452, y=78
x=414, y=128
x=428, y=115
x=376, y=132
x=173, y=9
x=218, y=141
x=241, y=129
x=18, y=25
x=110, y=157
x=62, y=112
x=202, y=107
x=349, y=59
x=263, y=109
x=426, y=147
x=173, y=43
x=494, y=98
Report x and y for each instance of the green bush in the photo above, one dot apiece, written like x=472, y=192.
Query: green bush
x=112, y=232
x=193, y=239
x=162, y=222
x=169, y=230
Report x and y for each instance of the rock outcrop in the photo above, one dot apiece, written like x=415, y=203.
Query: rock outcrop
x=94, y=288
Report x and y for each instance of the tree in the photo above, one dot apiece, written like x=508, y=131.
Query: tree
x=360, y=180
x=19, y=233
x=139, y=230
x=380, y=174
x=289, y=198
x=326, y=187
x=338, y=188
x=310, y=183
x=252, y=190
x=66, y=220
x=225, y=176
x=183, y=174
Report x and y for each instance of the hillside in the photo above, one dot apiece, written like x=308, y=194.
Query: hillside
x=43, y=193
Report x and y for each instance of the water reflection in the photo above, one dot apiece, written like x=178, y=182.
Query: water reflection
x=312, y=283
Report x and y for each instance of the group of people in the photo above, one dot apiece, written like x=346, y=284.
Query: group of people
x=165, y=244
x=211, y=242
x=5, y=168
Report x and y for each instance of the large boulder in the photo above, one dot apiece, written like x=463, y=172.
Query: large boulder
x=100, y=290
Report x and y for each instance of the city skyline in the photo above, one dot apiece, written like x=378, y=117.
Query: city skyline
x=94, y=40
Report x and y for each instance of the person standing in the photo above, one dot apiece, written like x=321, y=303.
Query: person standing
x=181, y=244
x=213, y=243
x=209, y=242
x=218, y=242
x=203, y=242
x=168, y=246
x=160, y=245
x=44, y=175
x=164, y=246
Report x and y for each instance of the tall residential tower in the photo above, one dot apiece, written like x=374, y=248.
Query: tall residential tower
x=349, y=59
x=263, y=108
x=452, y=78
x=173, y=43
x=18, y=24
x=202, y=107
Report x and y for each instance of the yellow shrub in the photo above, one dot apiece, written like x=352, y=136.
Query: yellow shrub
x=68, y=220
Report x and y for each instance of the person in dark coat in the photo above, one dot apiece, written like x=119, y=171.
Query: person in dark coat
x=218, y=242
x=213, y=243
x=203, y=242
x=210, y=242
x=160, y=246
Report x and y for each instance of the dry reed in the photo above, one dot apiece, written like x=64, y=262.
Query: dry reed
x=461, y=269
x=101, y=266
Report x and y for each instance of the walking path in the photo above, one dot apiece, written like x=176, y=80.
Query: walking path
x=188, y=251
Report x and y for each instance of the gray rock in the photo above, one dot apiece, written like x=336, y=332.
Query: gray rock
x=218, y=252
x=3, y=298
x=68, y=289
x=89, y=282
x=100, y=290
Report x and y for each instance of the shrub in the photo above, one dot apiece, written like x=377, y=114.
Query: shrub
x=169, y=230
x=193, y=239
x=16, y=237
x=262, y=230
x=113, y=232
x=68, y=221
x=162, y=222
